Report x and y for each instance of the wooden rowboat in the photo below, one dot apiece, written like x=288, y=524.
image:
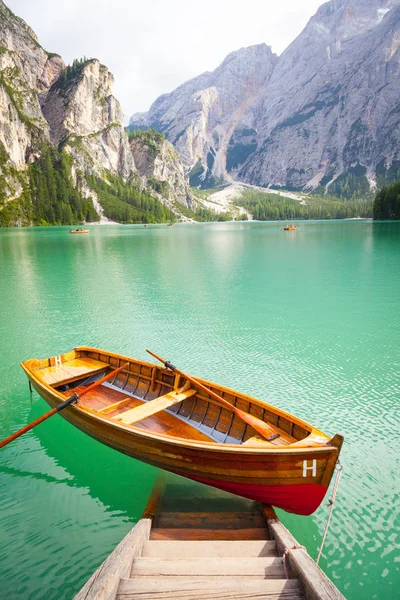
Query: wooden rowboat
x=290, y=228
x=79, y=231
x=150, y=413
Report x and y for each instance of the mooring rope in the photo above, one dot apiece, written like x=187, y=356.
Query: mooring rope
x=339, y=469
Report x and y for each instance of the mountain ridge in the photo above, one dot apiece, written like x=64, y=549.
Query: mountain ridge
x=208, y=108
x=324, y=116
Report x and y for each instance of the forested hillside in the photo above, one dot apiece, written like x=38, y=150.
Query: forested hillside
x=387, y=203
x=49, y=196
x=272, y=207
x=126, y=203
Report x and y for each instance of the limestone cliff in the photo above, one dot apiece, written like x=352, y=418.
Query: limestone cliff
x=26, y=74
x=67, y=116
x=85, y=118
x=159, y=163
x=43, y=100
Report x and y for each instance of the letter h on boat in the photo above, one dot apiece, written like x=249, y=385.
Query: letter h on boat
x=313, y=468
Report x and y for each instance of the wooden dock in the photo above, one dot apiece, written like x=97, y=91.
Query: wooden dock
x=195, y=542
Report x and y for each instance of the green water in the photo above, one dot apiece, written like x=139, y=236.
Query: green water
x=308, y=320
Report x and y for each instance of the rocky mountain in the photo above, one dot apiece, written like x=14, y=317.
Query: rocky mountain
x=325, y=114
x=158, y=162
x=86, y=118
x=26, y=74
x=201, y=115
x=61, y=124
x=330, y=113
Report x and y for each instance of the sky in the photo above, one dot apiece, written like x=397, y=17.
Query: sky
x=152, y=46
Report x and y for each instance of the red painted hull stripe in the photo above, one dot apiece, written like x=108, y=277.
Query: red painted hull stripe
x=302, y=499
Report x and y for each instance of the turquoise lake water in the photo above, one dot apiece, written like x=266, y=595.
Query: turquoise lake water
x=308, y=320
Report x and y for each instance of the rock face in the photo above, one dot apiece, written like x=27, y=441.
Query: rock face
x=327, y=110
x=201, y=115
x=26, y=74
x=86, y=119
x=339, y=110
x=72, y=108
x=159, y=163
x=42, y=99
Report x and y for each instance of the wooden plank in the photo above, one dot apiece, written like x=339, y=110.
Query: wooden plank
x=80, y=366
x=184, y=588
x=106, y=394
x=100, y=398
x=52, y=375
x=209, y=520
x=70, y=371
x=211, y=549
x=262, y=568
x=104, y=582
x=153, y=384
x=209, y=534
x=137, y=366
x=188, y=489
x=278, y=532
x=257, y=441
x=195, y=504
x=212, y=593
x=111, y=407
x=317, y=585
x=154, y=406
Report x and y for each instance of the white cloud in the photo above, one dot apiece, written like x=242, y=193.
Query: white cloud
x=152, y=47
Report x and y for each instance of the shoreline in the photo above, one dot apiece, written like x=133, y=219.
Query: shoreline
x=149, y=225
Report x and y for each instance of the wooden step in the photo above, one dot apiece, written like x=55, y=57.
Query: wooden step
x=219, y=549
x=209, y=520
x=261, y=568
x=187, y=489
x=176, y=533
x=195, y=504
x=185, y=588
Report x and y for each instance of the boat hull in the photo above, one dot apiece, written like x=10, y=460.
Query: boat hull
x=295, y=479
x=272, y=480
x=301, y=499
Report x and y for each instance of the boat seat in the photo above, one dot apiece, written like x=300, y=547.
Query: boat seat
x=69, y=371
x=280, y=438
x=152, y=407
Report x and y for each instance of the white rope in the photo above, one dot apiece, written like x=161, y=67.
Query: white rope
x=331, y=504
x=286, y=554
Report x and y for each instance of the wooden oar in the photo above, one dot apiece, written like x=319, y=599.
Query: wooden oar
x=61, y=406
x=261, y=427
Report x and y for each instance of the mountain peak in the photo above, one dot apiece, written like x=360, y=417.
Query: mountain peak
x=258, y=51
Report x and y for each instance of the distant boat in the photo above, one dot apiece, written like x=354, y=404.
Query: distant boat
x=167, y=420
x=290, y=228
x=79, y=230
x=170, y=224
